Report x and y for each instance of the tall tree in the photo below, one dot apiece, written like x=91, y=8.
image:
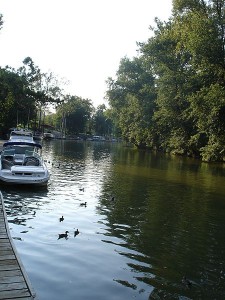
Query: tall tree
x=202, y=35
x=102, y=123
x=132, y=97
x=77, y=112
x=15, y=99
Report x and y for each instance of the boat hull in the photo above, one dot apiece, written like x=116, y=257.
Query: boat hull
x=8, y=180
x=26, y=177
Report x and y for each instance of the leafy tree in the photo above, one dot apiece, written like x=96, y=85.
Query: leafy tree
x=202, y=34
x=102, y=124
x=77, y=112
x=187, y=57
x=173, y=78
x=15, y=99
x=132, y=97
x=44, y=88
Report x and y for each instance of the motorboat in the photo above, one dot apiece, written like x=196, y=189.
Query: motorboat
x=98, y=138
x=21, y=161
x=48, y=136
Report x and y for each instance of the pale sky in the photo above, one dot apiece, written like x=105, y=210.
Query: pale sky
x=80, y=40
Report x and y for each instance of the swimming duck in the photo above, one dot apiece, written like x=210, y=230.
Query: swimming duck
x=63, y=235
x=76, y=232
x=61, y=219
x=113, y=198
x=83, y=204
x=81, y=189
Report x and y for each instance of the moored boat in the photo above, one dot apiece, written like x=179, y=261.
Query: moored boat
x=48, y=136
x=21, y=161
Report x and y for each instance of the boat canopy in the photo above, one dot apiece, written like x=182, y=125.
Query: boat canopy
x=14, y=143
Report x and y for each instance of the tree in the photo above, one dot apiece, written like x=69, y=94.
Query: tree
x=102, y=124
x=202, y=31
x=77, y=112
x=44, y=88
x=131, y=97
x=187, y=55
x=15, y=100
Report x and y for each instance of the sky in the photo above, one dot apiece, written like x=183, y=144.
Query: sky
x=81, y=41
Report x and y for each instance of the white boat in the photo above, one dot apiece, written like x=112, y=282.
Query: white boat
x=21, y=161
x=98, y=138
x=48, y=136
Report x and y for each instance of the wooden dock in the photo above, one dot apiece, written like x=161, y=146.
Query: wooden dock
x=14, y=283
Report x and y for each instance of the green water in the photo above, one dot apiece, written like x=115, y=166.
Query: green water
x=167, y=221
x=175, y=210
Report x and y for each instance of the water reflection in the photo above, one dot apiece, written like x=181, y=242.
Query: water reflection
x=169, y=221
x=143, y=222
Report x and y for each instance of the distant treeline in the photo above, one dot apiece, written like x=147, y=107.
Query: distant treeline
x=28, y=97
x=171, y=97
x=32, y=99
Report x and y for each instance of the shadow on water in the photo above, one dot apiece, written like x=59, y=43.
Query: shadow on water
x=22, y=203
x=165, y=219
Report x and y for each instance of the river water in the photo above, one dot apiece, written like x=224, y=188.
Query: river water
x=167, y=221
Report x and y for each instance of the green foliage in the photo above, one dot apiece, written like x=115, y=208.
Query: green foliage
x=172, y=96
x=101, y=122
x=23, y=92
x=182, y=6
x=77, y=112
x=132, y=98
x=14, y=99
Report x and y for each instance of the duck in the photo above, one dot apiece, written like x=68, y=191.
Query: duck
x=81, y=189
x=63, y=235
x=61, y=219
x=186, y=282
x=83, y=204
x=76, y=232
x=113, y=198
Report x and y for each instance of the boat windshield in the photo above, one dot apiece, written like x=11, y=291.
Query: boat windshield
x=19, y=149
x=21, y=133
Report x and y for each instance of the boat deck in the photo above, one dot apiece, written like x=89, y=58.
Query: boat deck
x=14, y=283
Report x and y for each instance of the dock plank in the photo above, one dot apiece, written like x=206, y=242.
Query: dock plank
x=14, y=294
x=13, y=286
x=14, y=282
x=10, y=274
x=5, y=255
x=8, y=279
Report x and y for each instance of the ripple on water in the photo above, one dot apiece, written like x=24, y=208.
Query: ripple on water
x=163, y=224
